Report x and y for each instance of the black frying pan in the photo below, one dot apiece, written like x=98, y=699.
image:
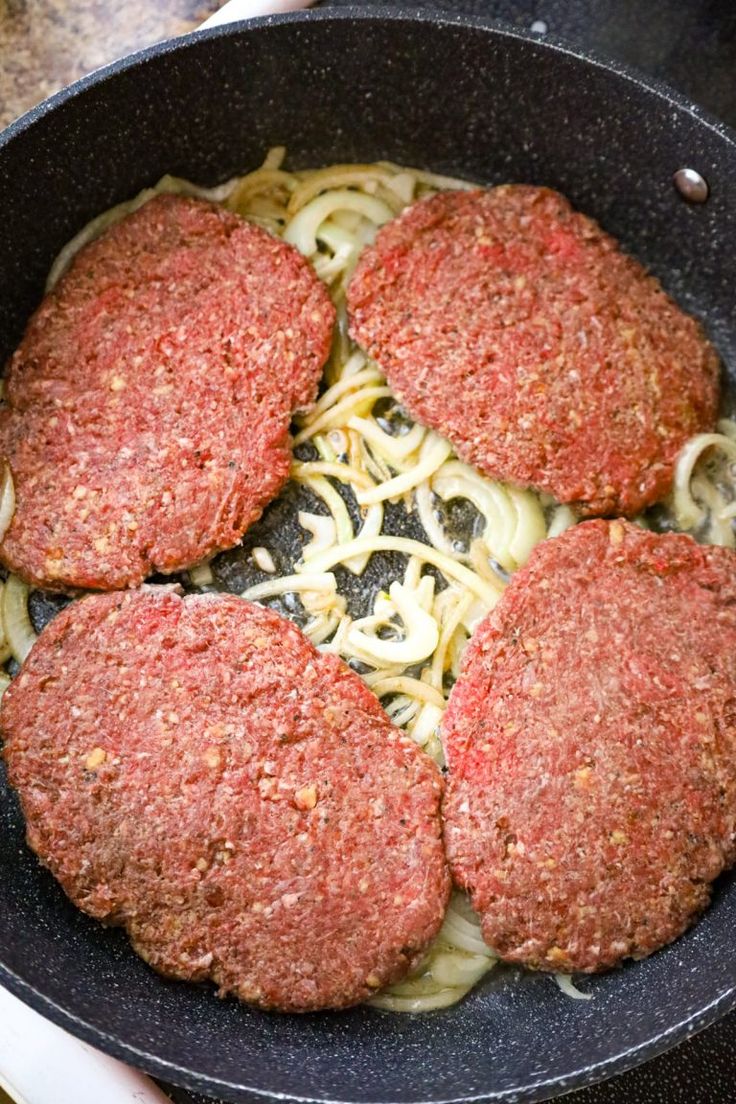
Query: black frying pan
x=457, y=97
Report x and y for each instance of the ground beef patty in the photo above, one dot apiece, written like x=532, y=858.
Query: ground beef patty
x=195, y=770
x=149, y=401
x=591, y=740
x=515, y=327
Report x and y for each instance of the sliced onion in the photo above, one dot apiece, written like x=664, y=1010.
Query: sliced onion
x=348, y=382
x=303, y=230
x=339, y=414
x=335, y=504
x=443, y=998
x=687, y=512
x=7, y=499
x=403, y=185
x=16, y=619
x=177, y=185
x=323, y=530
x=461, y=928
x=264, y=560
x=201, y=574
x=432, y=455
x=337, y=176
x=431, y=524
x=490, y=593
x=344, y=472
x=530, y=527
x=567, y=986
x=403, y=684
x=392, y=448
x=727, y=427
x=291, y=584
x=449, y=627
x=420, y=633
x=371, y=527
x=562, y=518
x=275, y=157
x=321, y=627
x=431, y=180
x=426, y=724
x=458, y=970
x=456, y=480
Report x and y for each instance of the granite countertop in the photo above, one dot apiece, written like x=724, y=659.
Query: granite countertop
x=45, y=44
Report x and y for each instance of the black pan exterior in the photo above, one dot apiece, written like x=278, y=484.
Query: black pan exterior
x=457, y=97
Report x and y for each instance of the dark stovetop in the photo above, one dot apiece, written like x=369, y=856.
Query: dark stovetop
x=690, y=44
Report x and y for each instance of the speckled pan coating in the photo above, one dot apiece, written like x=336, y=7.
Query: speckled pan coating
x=516, y=327
x=510, y=108
x=150, y=398
x=194, y=770
x=591, y=740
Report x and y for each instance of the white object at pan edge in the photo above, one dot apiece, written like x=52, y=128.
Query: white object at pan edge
x=235, y=10
x=41, y=1064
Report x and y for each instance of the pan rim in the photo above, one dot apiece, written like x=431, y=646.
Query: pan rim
x=368, y=14
x=543, y=1089
x=177, y=1073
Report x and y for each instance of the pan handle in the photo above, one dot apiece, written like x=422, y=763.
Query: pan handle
x=40, y=1063
x=236, y=10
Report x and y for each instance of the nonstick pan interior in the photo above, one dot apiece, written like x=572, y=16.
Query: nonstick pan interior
x=455, y=97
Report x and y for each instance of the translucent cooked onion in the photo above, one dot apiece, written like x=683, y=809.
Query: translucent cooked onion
x=449, y=968
x=562, y=518
x=263, y=560
x=256, y=183
x=16, y=619
x=201, y=574
x=337, y=176
x=325, y=560
x=426, y=723
x=371, y=527
x=7, y=499
x=464, y=935
x=176, y=185
x=303, y=230
x=420, y=633
x=360, y=400
x=344, y=472
x=450, y=625
x=567, y=986
x=442, y=998
x=513, y=519
x=432, y=455
x=323, y=626
x=530, y=526
x=435, y=181
x=291, y=584
x=688, y=513
x=404, y=685
x=322, y=529
x=349, y=381
x=457, y=960
x=335, y=504
x=390, y=447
